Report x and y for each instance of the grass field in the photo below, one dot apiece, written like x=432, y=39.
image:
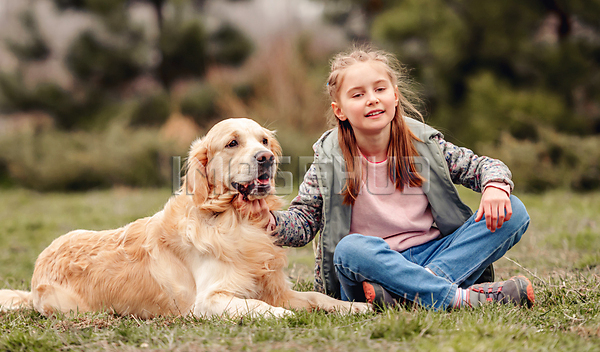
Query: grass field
x=560, y=253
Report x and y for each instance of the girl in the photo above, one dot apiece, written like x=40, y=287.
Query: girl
x=380, y=193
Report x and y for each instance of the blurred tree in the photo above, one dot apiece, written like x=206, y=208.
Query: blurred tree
x=106, y=64
x=106, y=59
x=229, y=46
x=46, y=96
x=34, y=48
x=470, y=54
x=121, y=53
x=182, y=45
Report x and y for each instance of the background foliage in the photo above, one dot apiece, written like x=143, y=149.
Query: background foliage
x=515, y=80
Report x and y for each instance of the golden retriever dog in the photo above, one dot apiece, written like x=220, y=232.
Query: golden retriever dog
x=202, y=254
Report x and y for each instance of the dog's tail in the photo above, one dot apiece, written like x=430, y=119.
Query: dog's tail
x=14, y=299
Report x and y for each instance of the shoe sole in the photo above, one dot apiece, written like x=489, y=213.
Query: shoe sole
x=378, y=296
x=369, y=290
x=530, y=294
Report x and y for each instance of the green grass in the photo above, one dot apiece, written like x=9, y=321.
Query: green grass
x=560, y=253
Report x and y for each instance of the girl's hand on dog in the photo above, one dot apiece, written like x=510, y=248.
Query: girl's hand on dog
x=257, y=208
x=495, y=205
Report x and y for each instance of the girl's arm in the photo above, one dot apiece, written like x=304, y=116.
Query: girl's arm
x=481, y=174
x=473, y=171
x=298, y=225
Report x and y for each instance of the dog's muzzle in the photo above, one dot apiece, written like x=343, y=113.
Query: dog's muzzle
x=260, y=186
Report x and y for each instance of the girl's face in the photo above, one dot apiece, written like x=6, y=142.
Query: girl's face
x=366, y=98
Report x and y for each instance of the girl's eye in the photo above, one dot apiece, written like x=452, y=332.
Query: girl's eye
x=265, y=141
x=380, y=89
x=357, y=95
x=232, y=144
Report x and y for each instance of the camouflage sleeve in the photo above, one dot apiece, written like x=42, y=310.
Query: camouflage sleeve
x=298, y=225
x=473, y=171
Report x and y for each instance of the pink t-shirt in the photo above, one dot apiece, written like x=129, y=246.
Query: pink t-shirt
x=402, y=219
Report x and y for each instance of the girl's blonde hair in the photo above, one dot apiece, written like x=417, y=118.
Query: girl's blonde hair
x=401, y=150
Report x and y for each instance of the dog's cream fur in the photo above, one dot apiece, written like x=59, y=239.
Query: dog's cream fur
x=201, y=255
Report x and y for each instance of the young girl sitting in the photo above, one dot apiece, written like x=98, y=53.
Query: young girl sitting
x=380, y=193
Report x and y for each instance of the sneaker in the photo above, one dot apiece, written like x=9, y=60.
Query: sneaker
x=378, y=296
x=516, y=290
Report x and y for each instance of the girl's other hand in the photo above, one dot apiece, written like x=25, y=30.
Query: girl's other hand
x=495, y=205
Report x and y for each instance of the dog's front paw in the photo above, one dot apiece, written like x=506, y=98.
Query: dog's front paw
x=279, y=312
x=359, y=307
x=353, y=308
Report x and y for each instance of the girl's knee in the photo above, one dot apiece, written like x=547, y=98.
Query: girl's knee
x=519, y=220
x=519, y=213
x=355, y=245
x=349, y=245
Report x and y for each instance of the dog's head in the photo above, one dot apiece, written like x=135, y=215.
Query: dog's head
x=237, y=155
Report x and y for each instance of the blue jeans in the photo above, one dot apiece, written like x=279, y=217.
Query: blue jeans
x=457, y=261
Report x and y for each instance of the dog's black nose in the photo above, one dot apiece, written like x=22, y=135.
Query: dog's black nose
x=265, y=158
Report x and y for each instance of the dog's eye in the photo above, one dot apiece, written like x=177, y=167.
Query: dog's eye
x=232, y=144
x=265, y=141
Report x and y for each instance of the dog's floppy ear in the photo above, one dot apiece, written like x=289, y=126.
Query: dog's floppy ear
x=195, y=181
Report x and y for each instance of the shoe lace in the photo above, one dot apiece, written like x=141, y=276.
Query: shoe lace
x=491, y=290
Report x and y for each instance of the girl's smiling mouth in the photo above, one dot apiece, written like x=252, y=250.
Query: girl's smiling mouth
x=375, y=113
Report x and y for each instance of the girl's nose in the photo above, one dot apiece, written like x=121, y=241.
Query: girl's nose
x=372, y=99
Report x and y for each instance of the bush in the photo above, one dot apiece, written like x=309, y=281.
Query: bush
x=199, y=103
x=69, y=110
x=55, y=160
x=229, y=46
x=5, y=181
x=153, y=110
x=107, y=64
x=553, y=161
x=492, y=106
